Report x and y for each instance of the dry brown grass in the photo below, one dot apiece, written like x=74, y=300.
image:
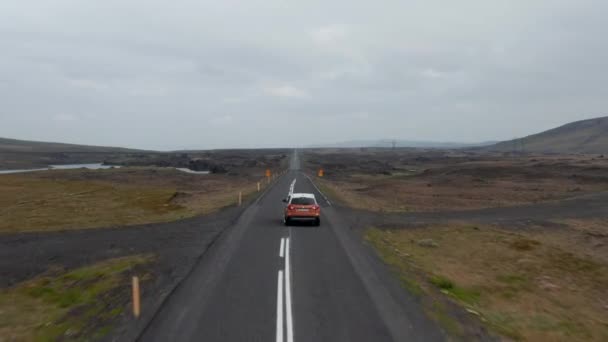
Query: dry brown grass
x=76, y=199
x=414, y=193
x=403, y=180
x=529, y=286
x=586, y=237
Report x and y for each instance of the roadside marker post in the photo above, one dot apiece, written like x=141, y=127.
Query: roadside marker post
x=240, y=198
x=258, y=186
x=136, y=297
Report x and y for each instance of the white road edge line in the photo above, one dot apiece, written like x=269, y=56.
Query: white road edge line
x=282, y=249
x=280, y=308
x=288, y=293
x=321, y=192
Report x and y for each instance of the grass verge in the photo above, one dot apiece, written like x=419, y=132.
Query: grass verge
x=351, y=195
x=76, y=305
x=519, y=287
x=77, y=199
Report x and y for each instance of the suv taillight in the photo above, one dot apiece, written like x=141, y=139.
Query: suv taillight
x=315, y=207
x=291, y=207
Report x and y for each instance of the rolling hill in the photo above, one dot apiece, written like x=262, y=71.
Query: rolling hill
x=585, y=136
x=22, y=154
x=14, y=145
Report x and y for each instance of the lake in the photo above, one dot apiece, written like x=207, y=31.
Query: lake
x=94, y=166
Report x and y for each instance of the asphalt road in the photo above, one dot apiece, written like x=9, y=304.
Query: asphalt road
x=262, y=281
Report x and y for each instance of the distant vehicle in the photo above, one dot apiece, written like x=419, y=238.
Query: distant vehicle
x=302, y=207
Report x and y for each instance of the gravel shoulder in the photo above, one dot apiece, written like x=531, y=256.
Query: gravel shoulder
x=544, y=214
x=177, y=246
x=477, y=271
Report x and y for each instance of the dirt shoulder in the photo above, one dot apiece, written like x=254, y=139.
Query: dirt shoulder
x=77, y=304
x=174, y=248
x=536, y=272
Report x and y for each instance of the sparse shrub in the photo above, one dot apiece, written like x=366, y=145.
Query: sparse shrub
x=442, y=282
x=522, y=244
x=427, y=243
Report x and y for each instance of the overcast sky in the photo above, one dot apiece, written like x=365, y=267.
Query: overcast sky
x=211, y=74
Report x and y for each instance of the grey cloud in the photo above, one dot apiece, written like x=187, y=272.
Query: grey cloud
x=269, y=73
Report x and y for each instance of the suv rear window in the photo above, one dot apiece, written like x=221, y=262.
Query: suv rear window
x=303, y=201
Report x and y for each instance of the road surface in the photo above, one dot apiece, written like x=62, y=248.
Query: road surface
x=262, y=281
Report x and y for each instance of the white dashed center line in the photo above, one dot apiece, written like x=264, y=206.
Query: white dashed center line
x=288, y=293
x=280, y=308
x=284, y=313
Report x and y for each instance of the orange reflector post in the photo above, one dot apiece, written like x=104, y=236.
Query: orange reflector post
x=136, y=297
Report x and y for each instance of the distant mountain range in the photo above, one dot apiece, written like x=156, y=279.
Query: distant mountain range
x=402, y=143
x=585, y=136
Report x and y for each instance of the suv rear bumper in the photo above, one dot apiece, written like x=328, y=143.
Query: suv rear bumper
x=302, y=218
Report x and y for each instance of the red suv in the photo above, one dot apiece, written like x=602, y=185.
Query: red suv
x=302, y=207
